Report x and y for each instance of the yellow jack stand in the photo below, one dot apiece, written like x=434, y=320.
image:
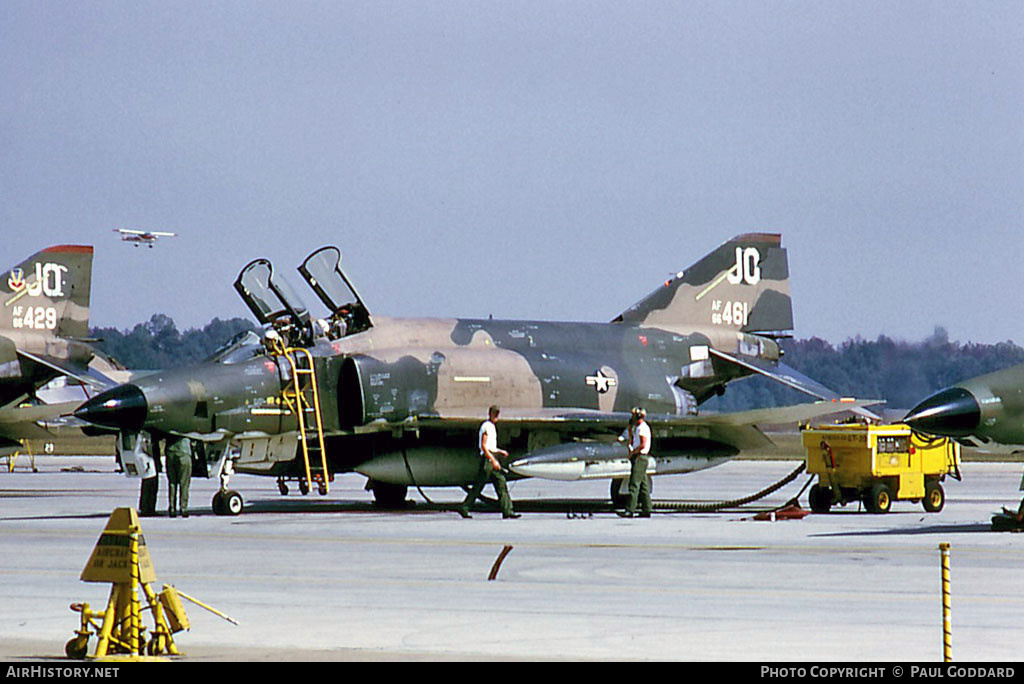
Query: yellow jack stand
x=121, y=558
x=13, y=458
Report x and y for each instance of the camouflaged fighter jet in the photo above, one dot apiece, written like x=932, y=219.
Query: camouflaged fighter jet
x=400, y=400
x=985, y=412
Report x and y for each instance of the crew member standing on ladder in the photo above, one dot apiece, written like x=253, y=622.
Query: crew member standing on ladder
x=490, y=468
x=639, y=435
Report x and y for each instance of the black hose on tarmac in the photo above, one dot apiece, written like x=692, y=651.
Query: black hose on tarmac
x=683, y=507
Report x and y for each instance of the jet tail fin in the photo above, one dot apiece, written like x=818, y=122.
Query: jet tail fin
x=742, y=285
x=49, y=291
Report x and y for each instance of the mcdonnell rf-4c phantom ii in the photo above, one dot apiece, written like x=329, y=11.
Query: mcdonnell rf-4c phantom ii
x=985, y=412
x=400, y=400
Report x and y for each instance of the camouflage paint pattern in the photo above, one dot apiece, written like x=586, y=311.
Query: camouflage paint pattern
x=407, y=392
x=743, y=285
x=45, y=308
x=986, y=411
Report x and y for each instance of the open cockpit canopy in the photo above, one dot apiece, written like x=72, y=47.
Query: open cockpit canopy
x=322, y=271
x=271, y=298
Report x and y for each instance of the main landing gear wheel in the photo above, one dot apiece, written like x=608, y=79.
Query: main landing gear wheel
x=619, y=493
x=228, y=503
x=934, y=497
x=388, y=495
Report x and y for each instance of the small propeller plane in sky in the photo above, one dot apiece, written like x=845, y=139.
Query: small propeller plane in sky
x=141, y=237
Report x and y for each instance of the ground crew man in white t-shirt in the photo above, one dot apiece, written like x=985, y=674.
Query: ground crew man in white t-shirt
x=490, y=468
x=638, y=435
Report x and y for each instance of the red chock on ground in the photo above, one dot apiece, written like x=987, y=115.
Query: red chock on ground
x=791, y=512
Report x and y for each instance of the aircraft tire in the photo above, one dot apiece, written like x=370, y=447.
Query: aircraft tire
x=389, y=496
x=618, y=498
x=233, y=503
x=934, y=497
x=228, y=503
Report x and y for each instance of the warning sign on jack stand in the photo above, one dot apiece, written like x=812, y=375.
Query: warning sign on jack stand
x=111, y=559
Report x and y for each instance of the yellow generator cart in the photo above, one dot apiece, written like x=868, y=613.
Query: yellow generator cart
x=877, y=464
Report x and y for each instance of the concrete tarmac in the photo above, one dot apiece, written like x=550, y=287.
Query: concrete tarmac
x=332, y=578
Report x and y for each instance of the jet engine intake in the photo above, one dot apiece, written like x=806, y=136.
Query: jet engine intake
x=370, y=389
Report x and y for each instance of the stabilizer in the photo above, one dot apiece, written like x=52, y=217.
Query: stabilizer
x=49, y=292
x=743, y=285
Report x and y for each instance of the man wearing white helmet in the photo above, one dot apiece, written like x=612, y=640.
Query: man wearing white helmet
x=638, y=435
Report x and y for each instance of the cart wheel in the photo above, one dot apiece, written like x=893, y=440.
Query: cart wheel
x=282, y=487
x=934, y=497
x=77, y=648
x=820, y=498
x=303, y=487
x=321, y=488
x=879, y=498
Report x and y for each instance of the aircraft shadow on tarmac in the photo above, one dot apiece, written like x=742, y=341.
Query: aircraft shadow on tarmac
x=571, y=508
x=961, y=528
x=567, y=506
x=74, y=516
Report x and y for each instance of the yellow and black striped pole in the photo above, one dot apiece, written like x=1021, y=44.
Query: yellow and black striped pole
x=135, y=647
x=947, y=623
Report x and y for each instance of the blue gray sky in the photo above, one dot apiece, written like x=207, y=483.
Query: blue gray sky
x=527, y=159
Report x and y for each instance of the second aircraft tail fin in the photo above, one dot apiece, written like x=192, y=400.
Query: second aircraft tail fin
x=49, y=291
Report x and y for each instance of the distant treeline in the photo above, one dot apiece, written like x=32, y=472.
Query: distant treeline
x=901, y=373
x=158, y=344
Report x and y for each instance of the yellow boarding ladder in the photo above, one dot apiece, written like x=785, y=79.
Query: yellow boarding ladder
x=300, y=399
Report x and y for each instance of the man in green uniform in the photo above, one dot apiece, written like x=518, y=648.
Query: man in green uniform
x=490, y=468
x=639, y=440
x=179, y=474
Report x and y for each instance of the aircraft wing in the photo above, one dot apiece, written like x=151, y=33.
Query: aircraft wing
x=794, y=379
x=86, y=376
x=570, y=420
x=42, y=421
x=152, y=233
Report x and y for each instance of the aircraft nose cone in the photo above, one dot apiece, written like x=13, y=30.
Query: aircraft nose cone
x=953, y=412
x=123, y=407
